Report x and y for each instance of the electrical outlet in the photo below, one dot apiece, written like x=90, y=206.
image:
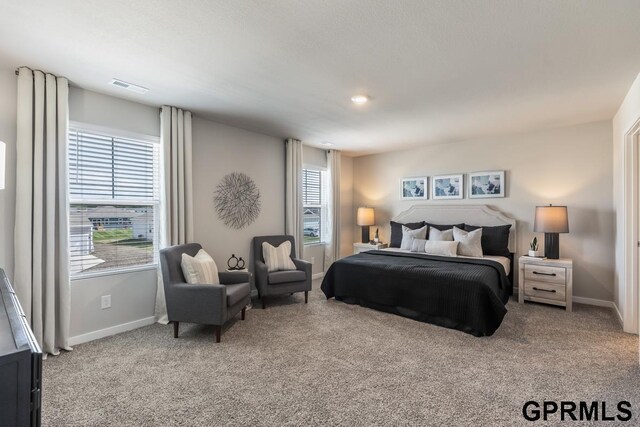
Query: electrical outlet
x=313, y=260
x=105, y=301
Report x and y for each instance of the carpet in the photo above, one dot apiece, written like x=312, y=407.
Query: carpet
x=329, y=363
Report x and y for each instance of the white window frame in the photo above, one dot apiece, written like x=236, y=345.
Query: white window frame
x=323, y=204
x=157, y=204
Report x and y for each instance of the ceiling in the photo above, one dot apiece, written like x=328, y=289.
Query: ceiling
x=437, y=71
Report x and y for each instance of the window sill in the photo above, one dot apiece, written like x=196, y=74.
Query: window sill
x=307, y=245
x=112, y=272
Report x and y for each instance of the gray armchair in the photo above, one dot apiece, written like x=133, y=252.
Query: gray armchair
x=204, y=304
x=280, y=282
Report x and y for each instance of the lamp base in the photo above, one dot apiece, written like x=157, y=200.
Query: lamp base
x=552, y=245
x=365, y=234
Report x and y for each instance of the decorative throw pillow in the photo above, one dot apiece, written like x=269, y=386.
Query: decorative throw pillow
x=495, y=240
x=469, y=242
x=445, y=226
x=435, y=247
x=441, y=235
x=278, y=258
x=418, y=245
x=409, y=235
x=200, y=269
x=396, y=232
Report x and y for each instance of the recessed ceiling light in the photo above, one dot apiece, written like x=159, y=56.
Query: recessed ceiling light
x=359, y=99
x=327, y=143
x=129, y=86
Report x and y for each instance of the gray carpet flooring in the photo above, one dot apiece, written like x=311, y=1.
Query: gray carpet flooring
x=329, y=363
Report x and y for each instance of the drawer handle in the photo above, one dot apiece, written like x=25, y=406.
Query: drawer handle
x=544, y=274
x=553, y=291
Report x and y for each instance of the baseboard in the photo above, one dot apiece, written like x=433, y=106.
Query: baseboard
x=593, y=301
x=113, y=330
x=617, y=311
x=317, y=276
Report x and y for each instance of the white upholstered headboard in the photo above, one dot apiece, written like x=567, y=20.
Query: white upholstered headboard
x=452, y=214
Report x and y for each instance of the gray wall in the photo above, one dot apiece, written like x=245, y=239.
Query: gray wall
x=218, y=150
x=570, y=165
x=132, y=293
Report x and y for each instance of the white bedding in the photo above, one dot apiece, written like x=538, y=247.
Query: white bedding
x=501, y=259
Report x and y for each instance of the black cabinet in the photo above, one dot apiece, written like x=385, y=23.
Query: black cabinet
x=20, y=363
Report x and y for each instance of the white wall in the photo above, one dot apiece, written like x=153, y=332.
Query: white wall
x=8, y=109
x=571, y=165
x=623, y=190
x=218, y=150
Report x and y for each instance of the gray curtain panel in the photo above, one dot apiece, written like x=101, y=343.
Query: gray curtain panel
x=332, y=250
x=176, y=213
x=293, y=195
x=41, y=274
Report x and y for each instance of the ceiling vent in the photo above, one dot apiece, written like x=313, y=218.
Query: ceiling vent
x=129, y=86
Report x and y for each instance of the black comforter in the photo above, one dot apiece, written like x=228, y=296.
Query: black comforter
x=459, y=293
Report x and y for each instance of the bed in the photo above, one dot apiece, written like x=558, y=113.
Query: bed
x=463, y=293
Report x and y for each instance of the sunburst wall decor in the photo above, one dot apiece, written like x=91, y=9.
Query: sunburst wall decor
x=237, y=200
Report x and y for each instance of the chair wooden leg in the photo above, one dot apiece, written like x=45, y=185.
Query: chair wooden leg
x=244, y=311
x=263, y=304
x=306, y=297
x=176, y=327
x=218, y=332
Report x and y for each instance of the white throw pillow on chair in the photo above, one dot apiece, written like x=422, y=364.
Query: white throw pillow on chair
x=278, y=258
x=200, y=269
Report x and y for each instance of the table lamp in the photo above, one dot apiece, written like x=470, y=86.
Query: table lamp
x=551, y=220
x=366, y=217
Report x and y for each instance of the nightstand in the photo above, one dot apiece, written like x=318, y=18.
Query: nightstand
x=362, y=247
x=549, y=281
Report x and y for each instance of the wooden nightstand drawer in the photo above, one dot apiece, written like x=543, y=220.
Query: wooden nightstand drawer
x=548, y=281
x=545, y=290
x=543, y=273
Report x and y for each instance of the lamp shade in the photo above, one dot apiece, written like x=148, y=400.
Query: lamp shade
x=551, y=219
x=366, y=216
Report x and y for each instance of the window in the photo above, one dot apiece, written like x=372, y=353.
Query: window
x=314, y=205
x=114, y=201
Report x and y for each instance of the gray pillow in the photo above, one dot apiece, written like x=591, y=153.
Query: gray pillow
x=409, y=235
x=441, y=235
x=469, y=242
x=418, y=245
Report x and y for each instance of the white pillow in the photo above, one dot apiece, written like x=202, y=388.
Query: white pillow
x=200, y=269
x=408, y=236
x=441, y=235
x=279, y=258
x=440, y=247
x=470, y=242
x=418, y=245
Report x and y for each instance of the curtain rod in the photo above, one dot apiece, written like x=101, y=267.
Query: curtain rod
x=17, y=71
